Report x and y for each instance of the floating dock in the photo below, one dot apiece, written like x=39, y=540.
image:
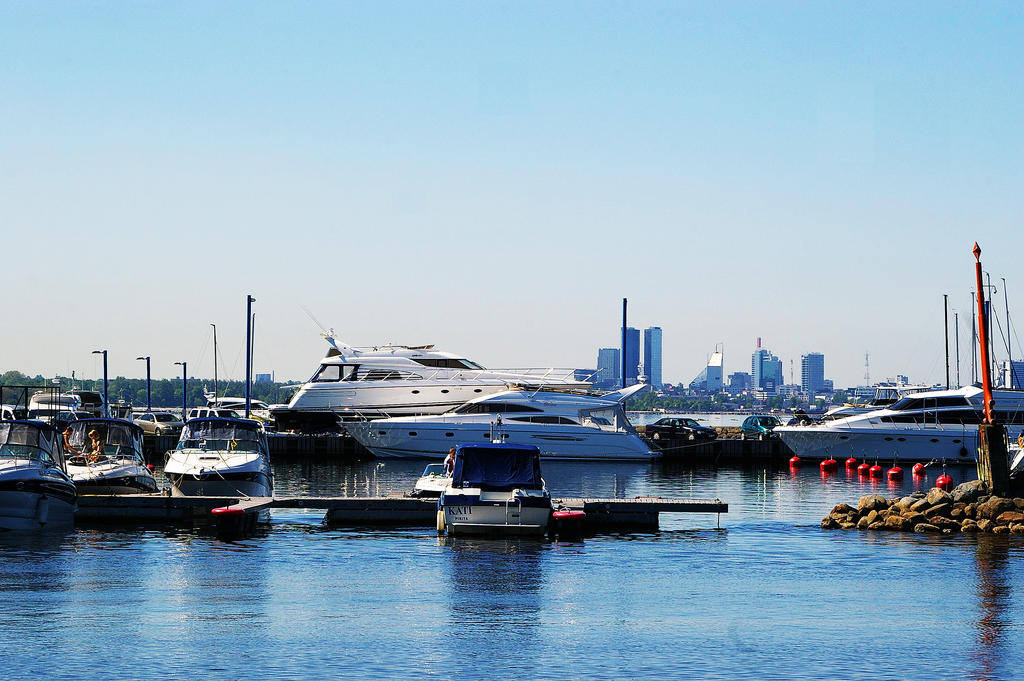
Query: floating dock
x=229, y=513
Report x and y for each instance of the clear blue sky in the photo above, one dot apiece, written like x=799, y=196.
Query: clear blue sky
x=495, y=177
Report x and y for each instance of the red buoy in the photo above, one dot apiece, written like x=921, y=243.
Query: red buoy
x=795, y=461
x=919, y=469
x=851, y=464
x=944, y=482
x=894, y=473
x=875, y=471
x=863, y=469
x=829, y=465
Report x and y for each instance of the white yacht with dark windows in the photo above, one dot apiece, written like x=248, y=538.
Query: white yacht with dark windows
x=563, y=424
x=399, y=380
x=939, y=425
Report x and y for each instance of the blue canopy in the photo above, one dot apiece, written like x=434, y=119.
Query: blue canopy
x=497, y=466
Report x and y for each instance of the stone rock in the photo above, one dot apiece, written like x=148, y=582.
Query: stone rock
x=842, y=509
x=905, y=503
x=1000, y=529
x=847, y=526
x=945, y=523
x=939, y=496
x=947, y=530
x=871, y=502
x=1019, y=503
x=914, y=518
x=1017, y=529
x=985, y=525
x=969, y=491
x=877, y=526
x=970, y=510
x=969, y=525
x=871, y=517
x=863, y=523
x=829, y=523
x=994, y=506
x=925, y=527
x=983, y=498
x=918, y=494
x=898, y=523
x=939, y=510
x=1010, y=517
x=957, y=512
x=920, y=505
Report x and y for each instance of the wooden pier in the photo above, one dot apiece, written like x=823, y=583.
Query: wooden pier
x=603, y=515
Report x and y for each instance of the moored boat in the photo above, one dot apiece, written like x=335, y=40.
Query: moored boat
x=221, y=457
x=35, y=490
x=432, y=482
x=104, y=456
x=495, y=489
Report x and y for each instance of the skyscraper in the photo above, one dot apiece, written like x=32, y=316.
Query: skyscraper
x=608, y=365
x=631, y=353
x=652, y=356
x=765, y=370
x=710, y=379
x=812, y=373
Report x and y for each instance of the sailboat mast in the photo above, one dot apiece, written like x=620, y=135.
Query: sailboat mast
x=215, y=386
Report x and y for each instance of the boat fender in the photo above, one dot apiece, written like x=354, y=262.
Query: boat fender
x=440, y=521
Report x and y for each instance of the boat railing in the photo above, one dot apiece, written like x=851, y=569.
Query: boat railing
x=547, y=374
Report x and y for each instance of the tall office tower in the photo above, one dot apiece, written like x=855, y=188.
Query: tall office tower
x=632, y=354
x=710, y=379
x=765, y=370
x=812, y=373
x=738, y=382
x=652, y=356
x=608, y=365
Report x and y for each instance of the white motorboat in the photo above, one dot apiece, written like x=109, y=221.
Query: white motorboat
x=495, y=489
x=432, y=482
x=564, y=425
x=400, y=380
x=939, y=425
x=104, y=456
x=221, y=457
x=35, y=490
x=884, y=396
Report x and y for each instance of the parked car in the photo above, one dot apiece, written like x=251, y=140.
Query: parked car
x=676, y=428
x=759, y=427
x=159, y=423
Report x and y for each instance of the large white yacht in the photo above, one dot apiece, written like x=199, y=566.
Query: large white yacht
x=400, y=380
x=937, y=425
x=563, y=424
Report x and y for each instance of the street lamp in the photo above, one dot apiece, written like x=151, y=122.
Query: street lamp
x=106, y=403
x=149, y=400
x=184, y=388
x=249, y=300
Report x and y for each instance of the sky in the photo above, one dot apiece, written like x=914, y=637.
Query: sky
x=494, y=177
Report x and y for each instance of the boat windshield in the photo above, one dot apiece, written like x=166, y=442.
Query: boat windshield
x=433, y=469
x=220, y=436
x=116, y=439
x=23, y=441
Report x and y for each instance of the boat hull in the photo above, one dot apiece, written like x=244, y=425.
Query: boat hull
x=251, y=484
x=117, y=480
x=818, y=442
x=469, y=514
x=22, y=511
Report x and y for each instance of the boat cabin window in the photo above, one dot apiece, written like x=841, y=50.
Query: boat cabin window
x=333, y=372
x=445, y=363
x=950, y=417
x=388, y=375
x=908, y=403
x=493, y=408
x=560, y=420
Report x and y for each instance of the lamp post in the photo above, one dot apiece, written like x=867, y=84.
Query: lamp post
x=184, y=388
x=249, y=300
x=106, y=403
x=149, y=399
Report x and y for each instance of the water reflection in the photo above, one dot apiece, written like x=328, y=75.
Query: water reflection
x=994, y=596
x=495, y=587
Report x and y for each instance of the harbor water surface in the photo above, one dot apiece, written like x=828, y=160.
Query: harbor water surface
x=769, y=595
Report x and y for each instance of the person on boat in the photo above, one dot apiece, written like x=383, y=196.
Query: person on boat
x=449, y=462
x=67, y=442
x=96, y=445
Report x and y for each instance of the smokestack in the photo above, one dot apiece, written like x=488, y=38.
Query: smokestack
x=758, y=342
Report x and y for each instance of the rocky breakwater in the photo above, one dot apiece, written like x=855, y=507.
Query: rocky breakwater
x=970, y=507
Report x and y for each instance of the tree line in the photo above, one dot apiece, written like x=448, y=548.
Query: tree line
x=166, y=392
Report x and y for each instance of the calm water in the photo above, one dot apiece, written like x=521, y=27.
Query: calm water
x=770, y=595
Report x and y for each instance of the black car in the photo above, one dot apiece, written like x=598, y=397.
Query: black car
x=676, y=428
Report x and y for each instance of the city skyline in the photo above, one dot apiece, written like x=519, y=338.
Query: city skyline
x=815, y=175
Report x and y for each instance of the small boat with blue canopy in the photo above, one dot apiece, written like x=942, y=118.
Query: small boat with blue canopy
x=221, y=456
x=495, y=489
